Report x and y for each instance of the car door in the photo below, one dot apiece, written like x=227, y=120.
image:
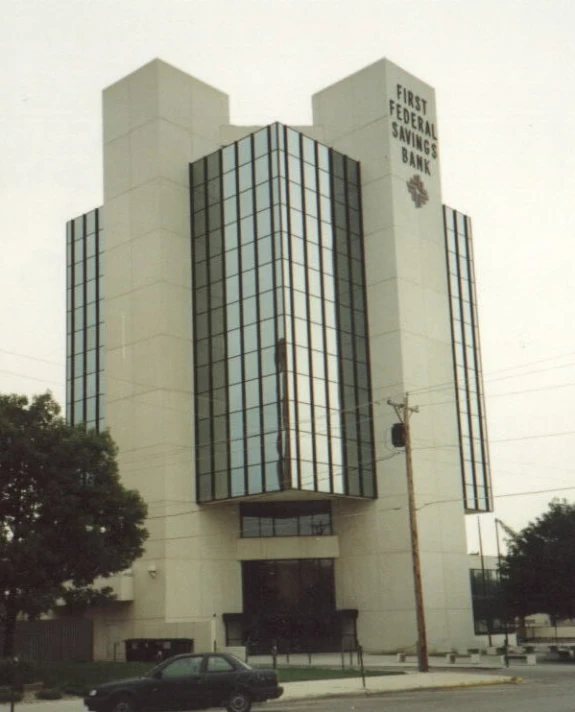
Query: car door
x=180, y=685
x=219, y=679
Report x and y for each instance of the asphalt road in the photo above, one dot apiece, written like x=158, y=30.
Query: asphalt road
x=545, y=688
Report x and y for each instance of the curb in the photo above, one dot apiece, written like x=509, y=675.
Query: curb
x=364, y=692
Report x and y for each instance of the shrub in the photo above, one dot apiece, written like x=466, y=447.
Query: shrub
x=19, y=672
x=76, y=689
x=7, y=695
x=49, y=693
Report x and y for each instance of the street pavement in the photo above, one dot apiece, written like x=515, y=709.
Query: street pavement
x=487, y=672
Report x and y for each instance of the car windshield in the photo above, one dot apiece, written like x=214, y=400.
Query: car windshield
x=151, y=672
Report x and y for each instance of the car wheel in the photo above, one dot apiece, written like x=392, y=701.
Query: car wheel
x=122, y=704
x=239, y=702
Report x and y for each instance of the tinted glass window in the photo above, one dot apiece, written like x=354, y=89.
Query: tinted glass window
x=219, y=664
x=183, y=667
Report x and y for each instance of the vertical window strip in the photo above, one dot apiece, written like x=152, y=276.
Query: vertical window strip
x=276, y=231
x=97, y=257
x=369, y=407
x=469, y=466
x=344, y=405
x=210, y=391
x=449, y=225
x=259, y=483
x=72, y=285
x=308, y=429
x=460, y=243
x=258, y=321
x=484, y=461
x=84, y=319
x=225, y=320
x=478, y=460
x=241, y=442
x=199, y=399
x=195, y=333
x=329, y=475
x=477, y=471
x=242, y=325
x=76, y=239
x=292, y=398
x=217, y=441
x=354, y=332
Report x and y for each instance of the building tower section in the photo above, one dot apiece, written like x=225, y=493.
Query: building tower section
x=85, y=368
x=472, y=421
x=282, y=392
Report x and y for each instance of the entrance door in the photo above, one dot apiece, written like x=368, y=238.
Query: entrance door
x=290, y=603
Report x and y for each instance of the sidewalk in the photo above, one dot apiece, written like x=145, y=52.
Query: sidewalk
x=389, y=683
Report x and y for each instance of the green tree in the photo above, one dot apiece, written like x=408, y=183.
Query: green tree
x=65, y=519
x=538, y=572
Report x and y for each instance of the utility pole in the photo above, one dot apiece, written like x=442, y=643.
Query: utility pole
x=403, y=412
x=488, y=613
x=502, y=592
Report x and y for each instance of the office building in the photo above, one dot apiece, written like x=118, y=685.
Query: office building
x=240, y=310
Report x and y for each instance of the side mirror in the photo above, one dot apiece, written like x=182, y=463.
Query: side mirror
x=158, y=675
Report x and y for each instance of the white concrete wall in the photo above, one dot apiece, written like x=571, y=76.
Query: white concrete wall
x=156, y=121
x=410, y=345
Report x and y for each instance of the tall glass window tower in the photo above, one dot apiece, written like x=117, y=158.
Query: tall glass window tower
x=472, y=421
x=85, y=401
x=282, y=378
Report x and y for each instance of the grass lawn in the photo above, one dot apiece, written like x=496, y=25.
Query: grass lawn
x=80, y=677
x=83, y=676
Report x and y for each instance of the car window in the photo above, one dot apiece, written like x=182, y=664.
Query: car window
x=218, y=664
x=182, y=668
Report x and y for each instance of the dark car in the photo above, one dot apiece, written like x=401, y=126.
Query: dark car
x=189, y=682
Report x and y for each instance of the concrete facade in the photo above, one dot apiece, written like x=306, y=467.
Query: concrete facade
x=156, y=122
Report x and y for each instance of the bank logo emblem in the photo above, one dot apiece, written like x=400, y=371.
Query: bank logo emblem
x=419, y=195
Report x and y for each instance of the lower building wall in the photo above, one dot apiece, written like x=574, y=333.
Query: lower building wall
x=113, y=627
x=374, y=574
x=200, y=579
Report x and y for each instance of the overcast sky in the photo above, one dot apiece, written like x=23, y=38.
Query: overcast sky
x=504, y=76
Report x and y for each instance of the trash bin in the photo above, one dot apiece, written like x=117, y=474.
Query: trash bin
x=153, y=650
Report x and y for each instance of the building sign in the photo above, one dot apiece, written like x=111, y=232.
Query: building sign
x=414, y=128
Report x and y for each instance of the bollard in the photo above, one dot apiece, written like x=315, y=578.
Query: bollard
x=360, y=658
x=12, y=701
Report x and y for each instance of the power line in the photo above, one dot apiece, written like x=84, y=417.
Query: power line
x=488, y=376
x=32, y=378
x=33, y=358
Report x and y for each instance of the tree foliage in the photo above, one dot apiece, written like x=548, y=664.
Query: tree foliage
x=539, y=570
x=65, y=518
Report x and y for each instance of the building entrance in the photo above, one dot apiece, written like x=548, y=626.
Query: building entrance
x=290, y=604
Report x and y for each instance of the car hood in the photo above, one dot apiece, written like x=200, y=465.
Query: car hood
x=130, y=681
